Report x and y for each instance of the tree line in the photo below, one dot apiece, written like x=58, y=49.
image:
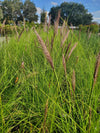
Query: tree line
x=16, y=10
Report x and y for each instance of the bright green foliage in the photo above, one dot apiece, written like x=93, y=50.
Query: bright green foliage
x=35, y=99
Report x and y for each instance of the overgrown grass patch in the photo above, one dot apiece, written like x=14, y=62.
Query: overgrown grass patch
x=36, y=98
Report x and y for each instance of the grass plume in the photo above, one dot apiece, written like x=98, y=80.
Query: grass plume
x=97, y=65
x=46, y=52
x=65, y=37
x=45, y=116
x=64, y=64
x=72, y=50
x=67, y=49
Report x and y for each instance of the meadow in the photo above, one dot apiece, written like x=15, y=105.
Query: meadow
x=50, y=82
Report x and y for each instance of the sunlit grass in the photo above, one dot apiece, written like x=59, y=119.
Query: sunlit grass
x=36, y=98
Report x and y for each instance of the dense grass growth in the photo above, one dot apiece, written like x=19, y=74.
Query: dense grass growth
x=36, y=98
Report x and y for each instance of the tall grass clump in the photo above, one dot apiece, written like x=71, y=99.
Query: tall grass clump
x=49, y=81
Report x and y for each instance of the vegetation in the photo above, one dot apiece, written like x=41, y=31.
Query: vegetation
x=75, y=13
x=43, y=16
x=49, y=81
x=29, y=11
x=94, y=28
x=15, y=10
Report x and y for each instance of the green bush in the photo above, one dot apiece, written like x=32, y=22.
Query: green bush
x=84, y=28
x=94, y=28
x=5, y=29
x=9, y=29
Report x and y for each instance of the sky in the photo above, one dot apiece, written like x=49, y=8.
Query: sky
x=93, y=6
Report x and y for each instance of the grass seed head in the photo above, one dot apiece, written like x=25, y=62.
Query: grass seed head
x=65, y=37
x=56, y=24
x=97, y=65
x=46, y=52
x=72, y=50
x=64, y=64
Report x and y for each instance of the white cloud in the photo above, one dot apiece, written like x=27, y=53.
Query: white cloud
x=96, y=13
x=54, y=3
x=96, y=16
x=39, y=10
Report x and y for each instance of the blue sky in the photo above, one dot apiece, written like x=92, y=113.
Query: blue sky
x=93, y=6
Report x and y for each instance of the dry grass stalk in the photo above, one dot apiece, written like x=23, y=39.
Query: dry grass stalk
x=47, y=42
x=72, y=51
x=89, y=35
x=4, y=22
x=45, y=23
x=16, y=29
x=64, y=64
x=73, y=80
x=46, y=52
x=57, y=23
x=63, y=28
x=96, y=70
x=3, y=25
x=49, y=23
x=20, y=34
x=22, y=65
x=65, y=37
x=67, y=49
x=24, y=22
x=52, y=41
x=45, y=116
x=72, y=28
x=97, y=65
x=90, y=115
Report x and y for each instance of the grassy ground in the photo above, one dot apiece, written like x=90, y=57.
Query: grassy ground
x=35, y=97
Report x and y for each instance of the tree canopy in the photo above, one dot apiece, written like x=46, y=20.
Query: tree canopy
x=15, y=10
x=29, y=11
x=43, y=15
x=74, y=13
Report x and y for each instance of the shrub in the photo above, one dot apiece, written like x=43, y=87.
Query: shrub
x=94, y=28
x=84, y=28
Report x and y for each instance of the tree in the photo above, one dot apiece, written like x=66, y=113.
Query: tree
x=29, y=11
x=74, y=13
x=7, y=9
x=1, y=13
x=43, y=16
x=12, y=9
x=17, y=10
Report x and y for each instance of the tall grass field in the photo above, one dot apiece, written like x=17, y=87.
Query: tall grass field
x=50, y=82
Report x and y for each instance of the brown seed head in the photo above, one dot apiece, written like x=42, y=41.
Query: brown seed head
x=46, y=52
